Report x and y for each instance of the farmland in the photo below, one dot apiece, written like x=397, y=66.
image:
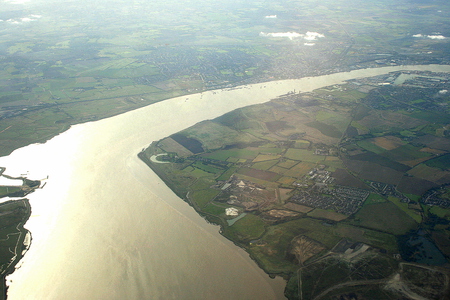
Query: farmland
x=53, y=75
x=289, y=180
x=297, y=189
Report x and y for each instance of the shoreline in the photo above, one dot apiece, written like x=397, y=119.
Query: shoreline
x=72, y=214
x=151, y=163
x=23, y=232
x=185, y=198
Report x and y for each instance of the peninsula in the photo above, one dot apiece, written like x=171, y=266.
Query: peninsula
x=343, y=191
x=14, y=212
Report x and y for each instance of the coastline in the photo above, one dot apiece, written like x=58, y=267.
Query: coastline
x=23, y=232
x=185, y=196
x=65, y=214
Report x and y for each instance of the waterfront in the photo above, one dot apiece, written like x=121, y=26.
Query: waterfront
x=105, y=226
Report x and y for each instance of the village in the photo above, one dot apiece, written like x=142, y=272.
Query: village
x=341, y=199
x=314, y=190
x=436, y=197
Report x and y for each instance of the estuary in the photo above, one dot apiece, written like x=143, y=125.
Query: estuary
x=106, y=227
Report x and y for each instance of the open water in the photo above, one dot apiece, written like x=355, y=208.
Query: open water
x=106, y=227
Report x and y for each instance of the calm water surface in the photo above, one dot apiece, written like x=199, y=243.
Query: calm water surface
x=106, y=227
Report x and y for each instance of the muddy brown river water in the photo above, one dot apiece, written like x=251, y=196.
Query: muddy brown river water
x=106, y=227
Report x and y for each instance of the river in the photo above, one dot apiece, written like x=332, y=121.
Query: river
x=106, y=227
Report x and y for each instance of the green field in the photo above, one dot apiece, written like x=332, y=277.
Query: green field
x=236, y=153
x=328, y=130
x=246, y=229
x=440, y=212
x=216, y=209
x=303, y=155
x=386, y=217
x=441, y=162
x=405, y=153
x=374, y=199
x=369, y=146
x=266, y=165
x=207, y=167
x=404, y=206
x=5, y=191
x=201, y=197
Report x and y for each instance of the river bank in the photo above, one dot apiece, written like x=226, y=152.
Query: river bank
x=20, y=244
x=105, y=225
